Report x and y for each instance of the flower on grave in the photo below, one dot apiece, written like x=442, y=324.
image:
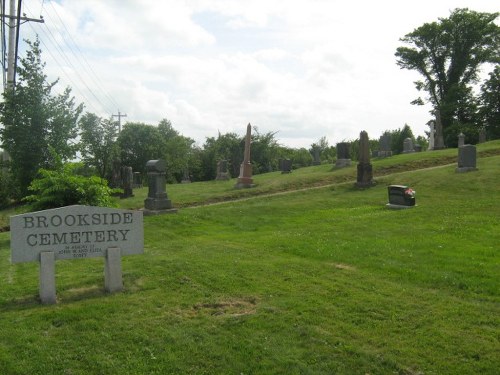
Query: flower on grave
x=410, y=192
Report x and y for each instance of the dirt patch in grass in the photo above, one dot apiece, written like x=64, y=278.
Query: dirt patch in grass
x=231, y=308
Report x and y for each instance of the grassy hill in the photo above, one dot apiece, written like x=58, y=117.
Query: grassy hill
x=311, y=281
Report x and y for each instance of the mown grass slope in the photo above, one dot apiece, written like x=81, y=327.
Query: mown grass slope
x=316, y=281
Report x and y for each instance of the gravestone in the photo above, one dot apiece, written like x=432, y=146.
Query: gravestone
x=316, y=157
x=400, y=196
x=116, y=175
x=157, y=201
x=285, y=166
x=438, y=137
x=186, y=179
x=384, y=146
x=127, y=182
x=222, y=173
x=408, y=146
x=343, y=155
x=432, y=131
x=245, y=178
x=365, y=170
x=417, y=148
x=461, y=139
x=76, y=232
x=482, y=135
x=137, y=180
x=466, y=159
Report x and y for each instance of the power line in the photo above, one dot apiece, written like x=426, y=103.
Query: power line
x=94, y=76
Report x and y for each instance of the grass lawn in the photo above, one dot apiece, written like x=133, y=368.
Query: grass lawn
x=319, y=281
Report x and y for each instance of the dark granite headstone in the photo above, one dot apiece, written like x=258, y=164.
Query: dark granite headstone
x=408, y=146
x=127, y=182
x=482, y=135
x=157, y=201
x=285, y=166
x=400, y=195
x=137, y=180
x=316, y=157
x=466, y=159
x=343, y=155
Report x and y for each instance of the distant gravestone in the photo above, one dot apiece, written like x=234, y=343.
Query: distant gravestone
x=222, y=173
x=365, y=170
x=127, y=182
x=137, y=180
x=285, y=166
x=432, y=131
x=186, y=179
x=384, y=146
x=438, y=134
x=343, y=155
x=400, y=196
x=116, y=174
x=316, y=157
x=466, y=159
x=417, y=148
x=157, y=201
x=245, y=178
x=408, y=146
x=76, y=232
x=461, y=139
x=482, y=135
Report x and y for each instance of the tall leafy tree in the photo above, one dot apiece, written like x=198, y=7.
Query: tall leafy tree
x=448, y=54
x=139, y=143
x=98, y=142
x=490, y=104
x=35, y=121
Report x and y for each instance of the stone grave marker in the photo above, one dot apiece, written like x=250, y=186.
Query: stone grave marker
x=408, y=146
x=384, y=146
x=461, y=139
x=365, y=170
x=482, y=135
x=127, y=182
x=157, y=201
x=432, y=131
x=400, y=196
x=76, y=232
x=245, y=178
x=186, y=179
x=466, y=159
x=343, y=155
x=137, y=180
x=316, y=156
x=222, y=173
x=285, y=166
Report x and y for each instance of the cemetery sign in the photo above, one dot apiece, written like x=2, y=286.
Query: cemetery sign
x=75, y=232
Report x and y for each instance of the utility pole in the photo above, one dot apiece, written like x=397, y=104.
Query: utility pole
x=13, y=44
x=120, y=115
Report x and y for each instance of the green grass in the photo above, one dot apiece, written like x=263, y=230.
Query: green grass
x=320, y=281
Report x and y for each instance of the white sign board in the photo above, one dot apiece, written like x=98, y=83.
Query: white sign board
x=75, y=232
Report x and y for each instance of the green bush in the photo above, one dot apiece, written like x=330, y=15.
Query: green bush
x=64, y=187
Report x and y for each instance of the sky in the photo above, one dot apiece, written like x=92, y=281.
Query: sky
x=302, y=69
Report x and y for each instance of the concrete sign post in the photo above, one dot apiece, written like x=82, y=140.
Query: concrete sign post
x=76, y=232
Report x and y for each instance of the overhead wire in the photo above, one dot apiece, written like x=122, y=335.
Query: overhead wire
x=87, y=66
x=82, y=69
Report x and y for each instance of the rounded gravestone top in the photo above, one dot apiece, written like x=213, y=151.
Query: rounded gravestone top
x=156, y=166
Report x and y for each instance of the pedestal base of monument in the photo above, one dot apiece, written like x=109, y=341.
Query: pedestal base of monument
x=341, y=163
x=154, y=206
x=244, y=183
x=465, y=169
x=364, y=176
x=398, y=206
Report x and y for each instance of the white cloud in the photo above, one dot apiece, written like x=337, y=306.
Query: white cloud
x=303, y=68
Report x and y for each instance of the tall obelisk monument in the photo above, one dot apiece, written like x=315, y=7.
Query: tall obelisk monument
x=245, y=177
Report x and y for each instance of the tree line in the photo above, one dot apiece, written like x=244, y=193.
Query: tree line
x=42, y=131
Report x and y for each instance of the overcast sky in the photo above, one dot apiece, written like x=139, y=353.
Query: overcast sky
x=302, y=68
